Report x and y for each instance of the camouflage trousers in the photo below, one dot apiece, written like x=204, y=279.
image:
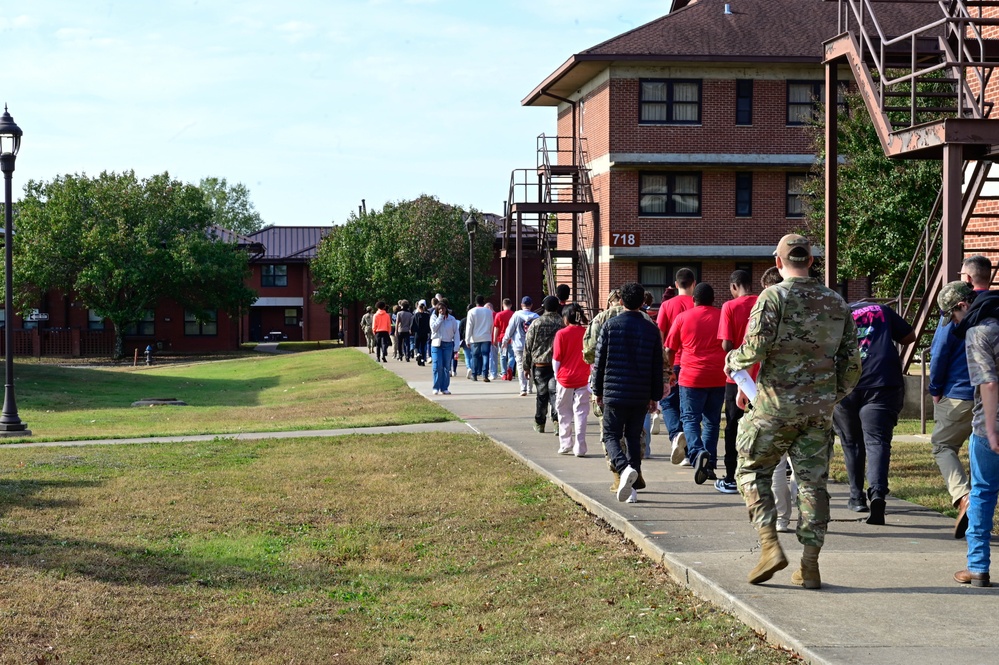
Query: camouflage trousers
x=808, y=442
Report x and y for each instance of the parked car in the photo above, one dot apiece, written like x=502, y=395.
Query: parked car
x=275, y=336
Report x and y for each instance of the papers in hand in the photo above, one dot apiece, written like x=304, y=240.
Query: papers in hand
x=745, y=383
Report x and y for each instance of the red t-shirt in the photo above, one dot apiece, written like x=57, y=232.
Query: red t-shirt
x=668, y=313
x=500, y=321
x=696, y=333
x=732, y=327
x=573, y=372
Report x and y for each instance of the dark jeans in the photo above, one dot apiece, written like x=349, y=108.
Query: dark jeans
x=624, y=422
x=481, y=352
x=864, y=422
x=383, y=341
x=733, y=414
x=405, y=351
x=700, y=410
x=545, y=388
x=670, y=406
x=422, y=346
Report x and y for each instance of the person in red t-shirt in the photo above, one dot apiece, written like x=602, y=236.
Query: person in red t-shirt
x=670, y=403
x=702, y=381
x=731, y=332
x=572, y=373
x=500, y=322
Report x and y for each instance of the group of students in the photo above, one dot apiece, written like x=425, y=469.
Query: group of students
x=406, y=332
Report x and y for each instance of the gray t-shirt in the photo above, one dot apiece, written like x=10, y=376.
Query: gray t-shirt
x=982, y=347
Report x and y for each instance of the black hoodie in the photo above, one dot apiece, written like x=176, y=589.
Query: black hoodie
x=986, y=306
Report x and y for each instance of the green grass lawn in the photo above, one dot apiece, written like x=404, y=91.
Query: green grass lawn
x=314, y=390
x=359, y=549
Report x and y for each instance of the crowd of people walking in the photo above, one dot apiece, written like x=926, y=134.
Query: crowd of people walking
x=787, y=368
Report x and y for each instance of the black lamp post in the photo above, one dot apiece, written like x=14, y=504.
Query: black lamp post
x=10, y=143
x=471, y=224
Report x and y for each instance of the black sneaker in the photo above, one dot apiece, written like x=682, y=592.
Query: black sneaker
x=877, y=516
x=857, y=505
x=701, y=467
x=711, y=475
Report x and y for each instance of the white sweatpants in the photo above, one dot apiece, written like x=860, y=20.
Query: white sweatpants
x=573, y=407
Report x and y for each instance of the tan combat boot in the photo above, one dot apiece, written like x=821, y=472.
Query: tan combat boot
x=808, y=575
x=772, y=556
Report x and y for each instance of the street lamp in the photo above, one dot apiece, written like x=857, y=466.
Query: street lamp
x=471, y=224
x=10, y=143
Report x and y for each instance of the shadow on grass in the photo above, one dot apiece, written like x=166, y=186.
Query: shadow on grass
x=21, y=493
x=73, y=389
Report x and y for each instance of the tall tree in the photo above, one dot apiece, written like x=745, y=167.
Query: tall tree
x=883, y=203
x=119, y=244
x=409, y=249
x=231, y=206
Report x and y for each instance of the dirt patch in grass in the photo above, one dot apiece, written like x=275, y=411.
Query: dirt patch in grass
x=363, y=549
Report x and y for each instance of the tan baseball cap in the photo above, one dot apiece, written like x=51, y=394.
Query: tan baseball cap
x=794, y=248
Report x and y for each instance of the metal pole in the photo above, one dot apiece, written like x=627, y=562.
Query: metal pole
x=9, y=422
x=471, y=267
x=922, y=391
x=831, y=174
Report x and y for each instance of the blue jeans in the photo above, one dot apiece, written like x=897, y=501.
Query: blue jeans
x=700, y=411
x=670, y=406
x=623, y=422
x=982, y=505
x=864, y=422
x=480, y=358
x=507, y=358
x=442, y=356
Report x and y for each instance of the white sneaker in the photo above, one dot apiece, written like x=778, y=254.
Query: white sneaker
x=686, y=462
x=581, y=452
x=437, y=392
x=679, y=453
x=633, y=498
x=784, y=526
x=656, y=421
x=565, y=451
x=628, y=477
x=468, y=374
x=523, y=393
x=445, y=392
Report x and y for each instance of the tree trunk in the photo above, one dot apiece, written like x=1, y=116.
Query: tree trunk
x=118, y=352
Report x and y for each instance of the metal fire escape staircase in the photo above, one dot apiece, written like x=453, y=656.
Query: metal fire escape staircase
x=926, y=93
x=547, y=220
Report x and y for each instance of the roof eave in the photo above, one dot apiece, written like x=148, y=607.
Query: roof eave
x=582, y=67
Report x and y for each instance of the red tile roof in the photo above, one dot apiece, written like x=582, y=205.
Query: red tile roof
x=760, y=31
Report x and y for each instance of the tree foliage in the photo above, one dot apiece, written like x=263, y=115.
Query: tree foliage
x=231, y=206
x=883, y=203
x=119, y=244
x=409, y=249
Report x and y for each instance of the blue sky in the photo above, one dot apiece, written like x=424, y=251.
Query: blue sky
x=313, y=104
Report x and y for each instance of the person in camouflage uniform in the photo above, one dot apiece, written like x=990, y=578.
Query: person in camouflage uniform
x=538, y=346
x=805, y=340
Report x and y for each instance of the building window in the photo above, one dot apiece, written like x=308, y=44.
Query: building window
x=803, y=99
x=94, y=320
x=291, y=317
x=670, y=194
x=655, y=277
x=744, y=101
x=670, y=102
x=795, y=202
x=271, y=275
x=146, y=327
x=206, y=327
x=743, y=194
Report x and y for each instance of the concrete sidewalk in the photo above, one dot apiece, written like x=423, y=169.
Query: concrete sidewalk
x=887, y=598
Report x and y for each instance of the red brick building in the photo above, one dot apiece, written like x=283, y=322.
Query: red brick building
x=690, y=133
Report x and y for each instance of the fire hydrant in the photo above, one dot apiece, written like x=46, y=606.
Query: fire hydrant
x=149, y=354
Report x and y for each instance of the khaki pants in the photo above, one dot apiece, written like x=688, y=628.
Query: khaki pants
x=952, y=429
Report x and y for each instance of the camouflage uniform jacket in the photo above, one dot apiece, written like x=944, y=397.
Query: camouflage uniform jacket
x=805, y=340
x=540, y=341
x=982, y=347
x=592, y=333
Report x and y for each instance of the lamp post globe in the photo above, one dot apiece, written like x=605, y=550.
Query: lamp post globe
x=10, y=144
x=471, y=225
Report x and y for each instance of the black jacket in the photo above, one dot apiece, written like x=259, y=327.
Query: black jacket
x=628, y=369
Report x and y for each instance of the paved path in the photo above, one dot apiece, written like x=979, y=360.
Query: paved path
x=887, y=596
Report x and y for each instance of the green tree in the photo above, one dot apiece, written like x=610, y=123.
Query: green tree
x=883, y=203
x=409, y=249
x=120, y=244
x=231, y=206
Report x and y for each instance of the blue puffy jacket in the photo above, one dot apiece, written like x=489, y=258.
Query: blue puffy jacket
x=628, y=369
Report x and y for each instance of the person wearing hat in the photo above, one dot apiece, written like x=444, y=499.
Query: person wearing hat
x=805, y=339
x=976, y=321
x=516, y=333
x=538, y=347
x=367, y=321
